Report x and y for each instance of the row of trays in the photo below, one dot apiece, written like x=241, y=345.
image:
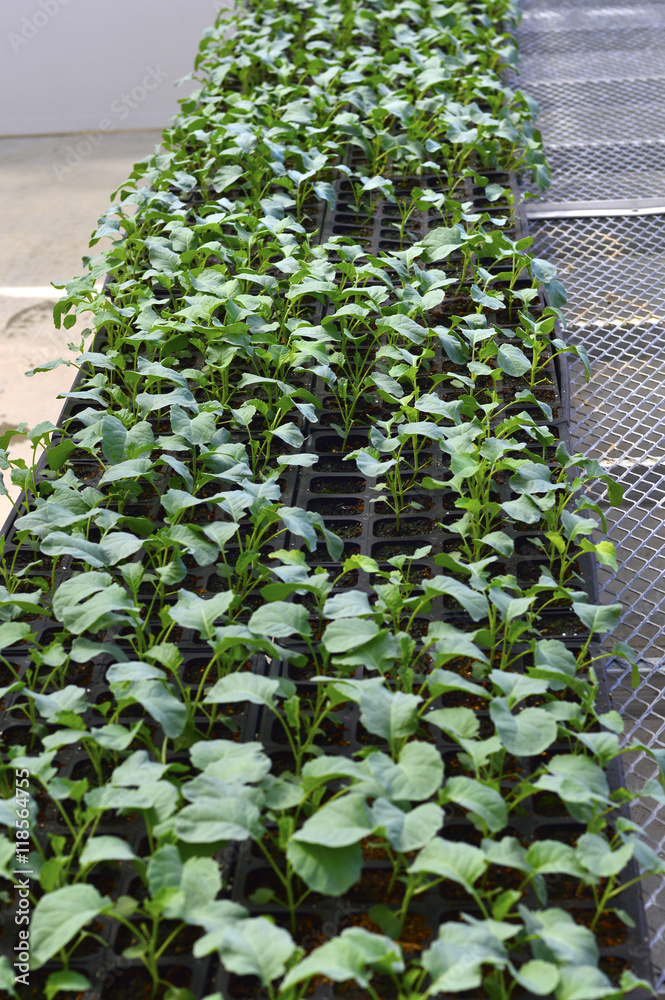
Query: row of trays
x=335, y=489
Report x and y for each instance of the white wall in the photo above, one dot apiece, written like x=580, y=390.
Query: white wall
x=100, y=65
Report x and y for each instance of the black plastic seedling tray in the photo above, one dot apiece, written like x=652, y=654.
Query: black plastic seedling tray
x=336, y=490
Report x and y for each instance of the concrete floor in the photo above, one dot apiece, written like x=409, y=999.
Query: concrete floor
x=51, y=199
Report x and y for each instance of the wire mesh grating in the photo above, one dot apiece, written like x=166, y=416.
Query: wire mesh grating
x=602, y=112
x=614, y=270
x=617, y=170
x=597, y=70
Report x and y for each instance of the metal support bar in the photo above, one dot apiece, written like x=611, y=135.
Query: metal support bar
x=589, y=209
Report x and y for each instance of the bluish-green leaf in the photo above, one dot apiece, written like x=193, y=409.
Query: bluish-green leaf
x=598, y=618
x=455, y=961
x=512, y=360
x=328, y=870
x=526, y=733
x=338, y=823
x=192, y=611
x=246, y=687
x=105, y=848
x=349, y=633
x=279, y=619
x=390, y=714
x=133, y=468
x=455, y=860
x=480, y=800
x=353, y=955
x=411, y=830
x=60, y=915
